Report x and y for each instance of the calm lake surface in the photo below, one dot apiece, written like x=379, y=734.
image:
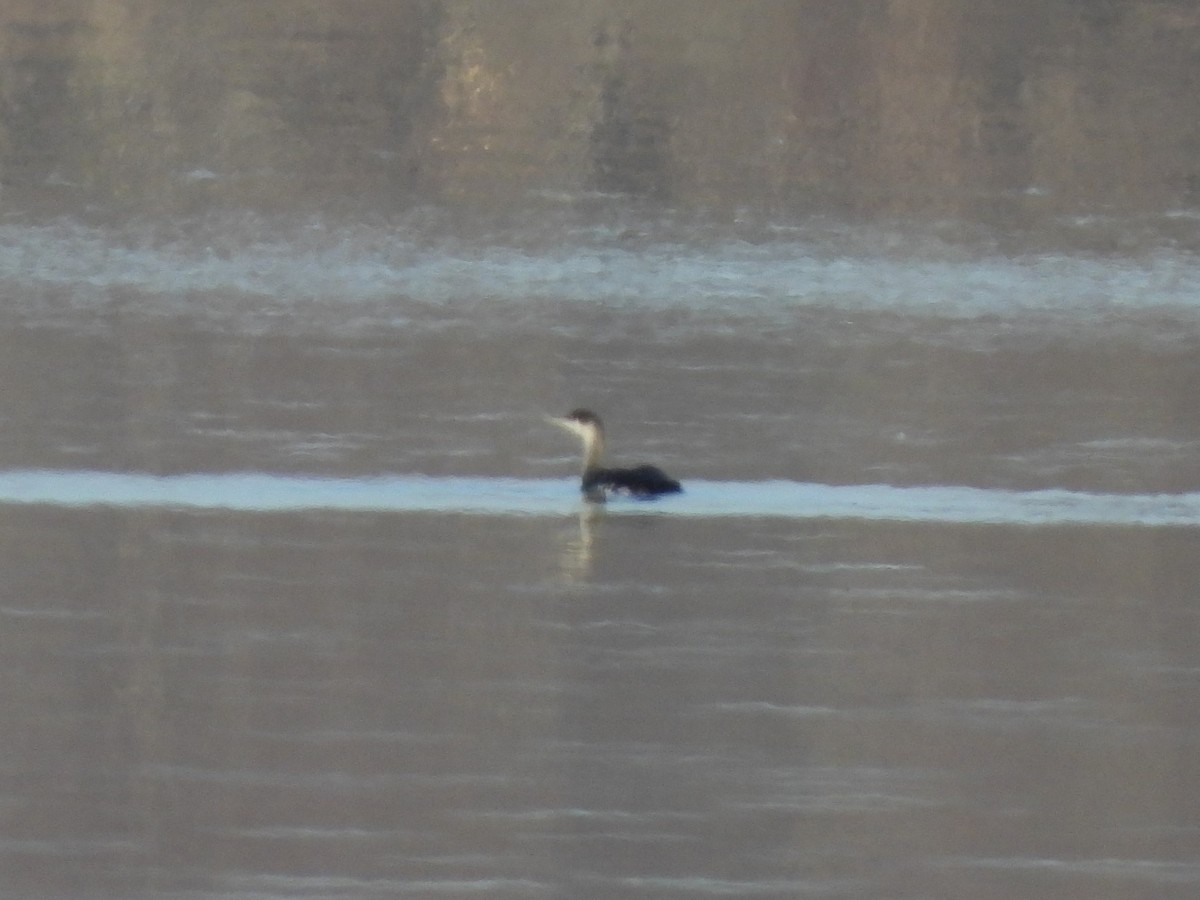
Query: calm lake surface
x=298, y=598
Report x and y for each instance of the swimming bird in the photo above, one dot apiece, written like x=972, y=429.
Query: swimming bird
x=639, y=482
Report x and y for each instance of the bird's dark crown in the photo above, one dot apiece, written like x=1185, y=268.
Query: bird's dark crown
x=583, y=416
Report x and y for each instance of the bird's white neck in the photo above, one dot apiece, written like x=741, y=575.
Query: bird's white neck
x=593, y=449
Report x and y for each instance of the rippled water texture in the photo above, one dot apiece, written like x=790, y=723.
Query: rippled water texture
x=299, y=598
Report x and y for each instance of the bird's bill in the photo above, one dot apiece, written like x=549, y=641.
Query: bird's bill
x=566, y=424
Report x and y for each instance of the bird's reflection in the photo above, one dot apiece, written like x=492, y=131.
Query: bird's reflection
x=575, y=559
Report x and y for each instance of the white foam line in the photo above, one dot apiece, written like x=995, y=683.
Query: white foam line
x=264, y=492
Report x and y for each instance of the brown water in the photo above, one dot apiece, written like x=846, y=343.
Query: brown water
x=213, y=692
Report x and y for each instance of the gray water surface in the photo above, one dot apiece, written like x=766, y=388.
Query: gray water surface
x=299, y=599
x=338, y=702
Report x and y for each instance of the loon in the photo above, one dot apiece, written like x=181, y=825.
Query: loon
x=640, y=482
